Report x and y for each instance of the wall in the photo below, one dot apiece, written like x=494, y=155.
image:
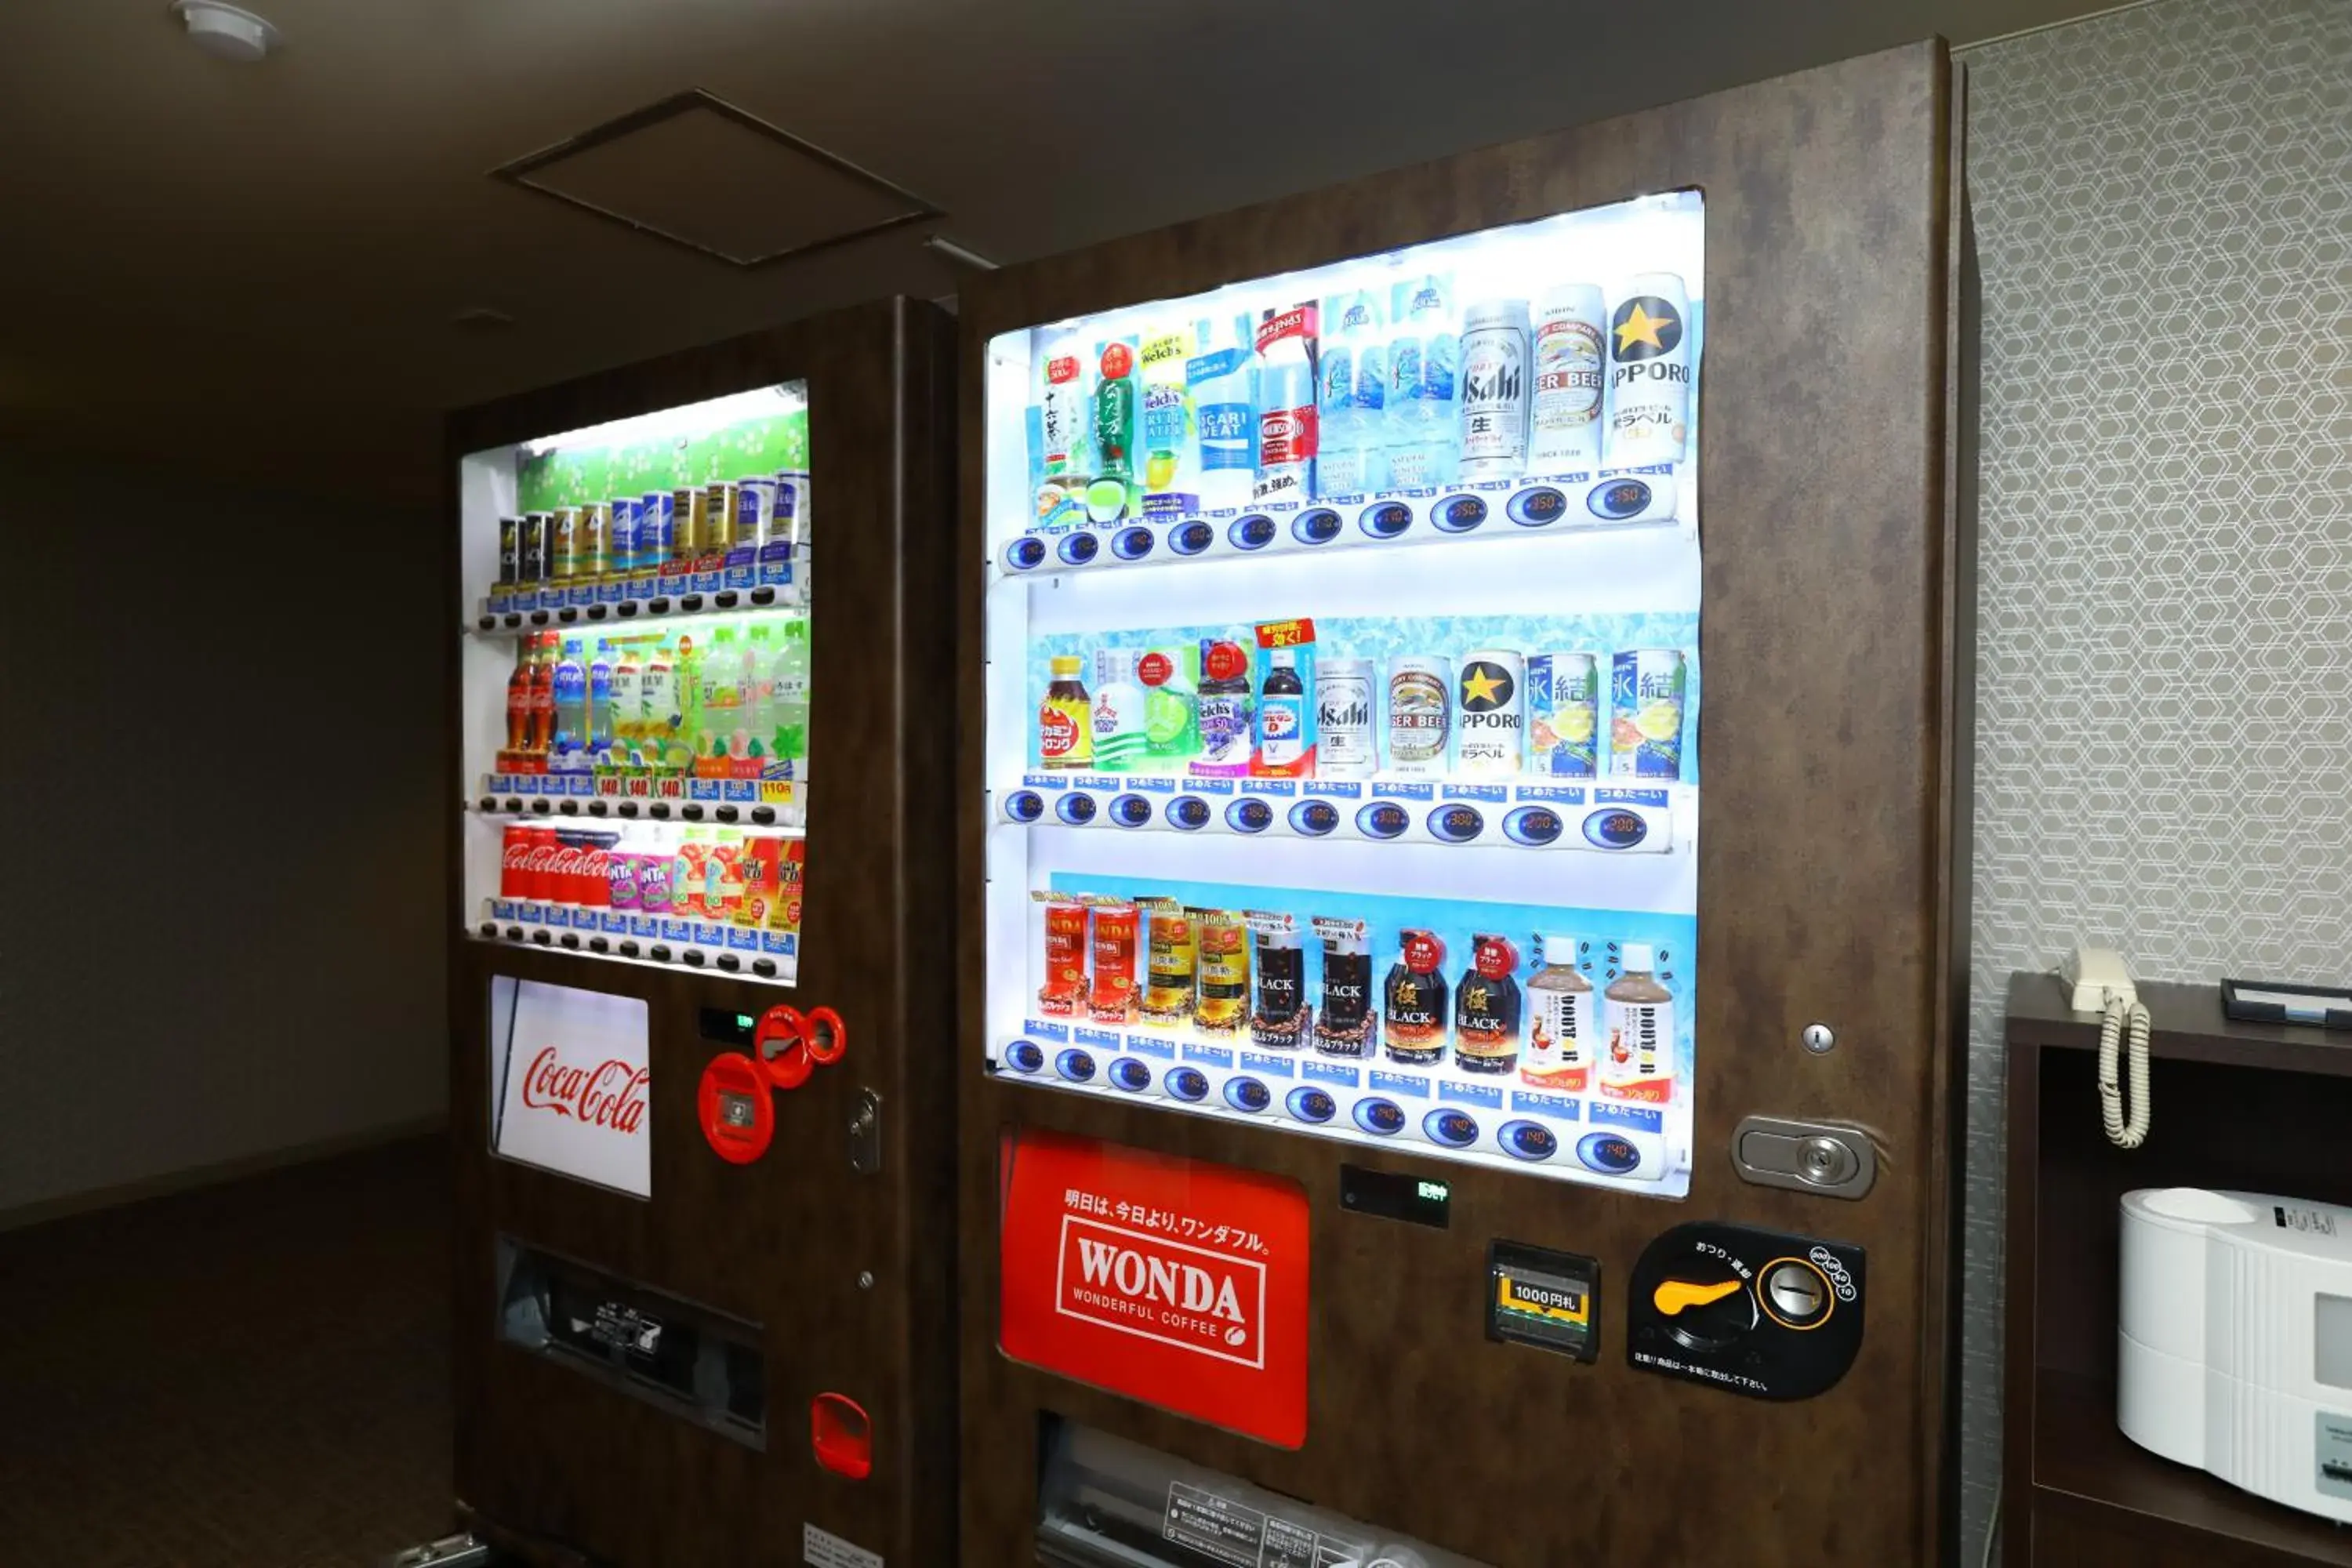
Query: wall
x=2164, y=729
x=264, y=799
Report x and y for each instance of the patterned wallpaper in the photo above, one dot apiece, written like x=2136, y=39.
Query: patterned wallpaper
x=2164, y=728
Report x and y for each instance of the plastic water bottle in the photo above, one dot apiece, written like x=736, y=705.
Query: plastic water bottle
x=791, y=666
x=1423, y=353
x=1285, y=405
x=1351, y=444
x=600, y=701
x=1222, y=374
x=760, y=683
x=569, y=751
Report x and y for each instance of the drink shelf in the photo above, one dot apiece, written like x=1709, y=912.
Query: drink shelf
x=1629, y=816
x=1589, y=502
x=642, y=601
x=663, y=941
x=779, y=804
x=1485, y=1119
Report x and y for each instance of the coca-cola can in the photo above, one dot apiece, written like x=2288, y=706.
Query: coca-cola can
x=596, y=867
x=514, y=862
x=564, y=867
x=539, y=867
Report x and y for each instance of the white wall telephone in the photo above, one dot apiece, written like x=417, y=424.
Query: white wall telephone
x=2102, y=984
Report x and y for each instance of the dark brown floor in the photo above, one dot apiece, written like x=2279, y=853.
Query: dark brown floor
x=252, y=1376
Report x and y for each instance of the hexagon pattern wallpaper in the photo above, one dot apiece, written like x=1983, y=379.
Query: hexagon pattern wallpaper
x=2164, y=723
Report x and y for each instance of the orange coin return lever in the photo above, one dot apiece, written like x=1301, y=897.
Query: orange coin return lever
x=842, y=1435
x=736, y=1102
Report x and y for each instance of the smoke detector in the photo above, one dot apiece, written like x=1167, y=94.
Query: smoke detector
x=224, y=32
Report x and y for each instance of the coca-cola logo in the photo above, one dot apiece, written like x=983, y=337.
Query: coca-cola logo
x=610, y=1095
x=1188, y=1297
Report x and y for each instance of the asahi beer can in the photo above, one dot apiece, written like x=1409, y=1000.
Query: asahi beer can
x=1491, y=714
x=1564, y=417
x=1649, y=373
x=1645, y=714
x=591, y=540
x=1563, y=715
x=563, y=554
x=685, y=524
x=718, y=518
x=621, y=535
x=1494, y=398
x=1343, y=719
x=1421, y=714
x=656, y=527
x=509, y=550
x=538, y=547
x=792, y=509
x=755, y=512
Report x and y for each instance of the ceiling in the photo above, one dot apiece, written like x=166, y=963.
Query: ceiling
x=254, y=270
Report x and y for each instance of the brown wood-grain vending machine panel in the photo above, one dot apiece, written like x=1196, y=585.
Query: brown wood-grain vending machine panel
x=674, y=1347
x=1253, y=1267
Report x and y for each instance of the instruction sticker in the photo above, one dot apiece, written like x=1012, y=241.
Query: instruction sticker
x=822, y=1549
x=1227, y=1531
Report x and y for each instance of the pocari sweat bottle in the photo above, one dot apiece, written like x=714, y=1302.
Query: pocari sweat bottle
x=1221, y=376
x=1354, y=371
x=1423, y=351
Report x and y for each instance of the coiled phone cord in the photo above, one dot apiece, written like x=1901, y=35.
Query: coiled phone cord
x=2124, y=1015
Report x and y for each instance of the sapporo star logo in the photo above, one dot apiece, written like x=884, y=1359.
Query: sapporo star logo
x=1646, y=327
x=1483, y=685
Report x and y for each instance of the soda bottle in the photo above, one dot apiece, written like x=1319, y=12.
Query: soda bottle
x=1423, y=353
x=1350, y=444
x=570, y=748
x=687, y=672
x=659, y=702
x=722, y=732
x=1170, y=466
x=760, y=681
x=600, y=703
x=1172, y=729
x=790, y=669
x=628, y=702
x=1222, y=375
x=1118, y=719
x=1112, y=495
x=542, y=696
x=518, y=697
x=1286, y=409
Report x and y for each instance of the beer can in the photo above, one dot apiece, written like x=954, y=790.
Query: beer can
x=1564, y=415
x=686, y=526
x=538, y=548
x=1421, y=714
x=1343, y=719
x=1491, y=714
x=1649, y=373
x=563, y=557
x=717, y=518
x=1492, y=402
x=656, y=527
x=621, y=535
x=509, y=550
x=755, y=512
x=1563, y=715
x=792, y=509
x=1646, y=687
x=591, y=540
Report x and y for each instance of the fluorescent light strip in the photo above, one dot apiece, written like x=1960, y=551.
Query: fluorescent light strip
x=687, y=419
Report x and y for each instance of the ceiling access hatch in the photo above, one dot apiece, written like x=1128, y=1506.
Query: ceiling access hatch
x=701, y=173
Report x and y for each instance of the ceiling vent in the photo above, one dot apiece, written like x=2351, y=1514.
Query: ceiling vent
x=701, y=173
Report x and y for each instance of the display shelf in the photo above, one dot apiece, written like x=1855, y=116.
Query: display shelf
x=1592, y=816
x=1606, y=502
x=643, y=601
x=781, y=804
x=1485, y=1119
x=658, y=940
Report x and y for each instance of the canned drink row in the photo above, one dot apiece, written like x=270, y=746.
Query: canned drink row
x=739, y=877
x=632, y=534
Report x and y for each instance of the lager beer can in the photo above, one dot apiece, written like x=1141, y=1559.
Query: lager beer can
x=509, y=550
x=1649, y=373
x=686, y=523
x=656, y=527
x=1343, y=720
x=564, y=556
x=755, y=512
x=621, y=535
x=1491, y=723
x=718, y=518
x=1563, y=715
x=591, y=540
x=538, y=547
x=1565, y=414
x=1494, y=398
x=1421, y=714
x=1645, y=714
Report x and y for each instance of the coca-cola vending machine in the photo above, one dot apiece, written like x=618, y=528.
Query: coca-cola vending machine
x=1462, y=849
x=704, y=1274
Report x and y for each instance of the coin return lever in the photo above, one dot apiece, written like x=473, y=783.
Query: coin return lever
x=736, y=1102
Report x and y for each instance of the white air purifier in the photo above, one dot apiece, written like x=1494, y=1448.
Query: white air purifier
x=2234, y=1346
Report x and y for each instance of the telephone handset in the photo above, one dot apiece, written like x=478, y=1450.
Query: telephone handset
x=2103, y=985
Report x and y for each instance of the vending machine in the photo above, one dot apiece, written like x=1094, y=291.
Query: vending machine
x=1459, y=874
x=705, y=1255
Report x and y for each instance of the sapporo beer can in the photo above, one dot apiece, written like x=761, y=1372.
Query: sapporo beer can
x=620, y=533
x=1649, y=373
x=1491, y=714
x=1645, y=714
x=1421, y=714
x=685, y=522
x=509, y=550
x=538, y=547
x=718, y=518
x=1494, y=398
x=1564, y=417
x=657, y=526
x=1563, y=715
x=563, y=557
x=591, y=540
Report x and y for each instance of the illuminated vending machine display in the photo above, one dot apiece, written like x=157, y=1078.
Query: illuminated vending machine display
x=636, y=687
x=1344, y=695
